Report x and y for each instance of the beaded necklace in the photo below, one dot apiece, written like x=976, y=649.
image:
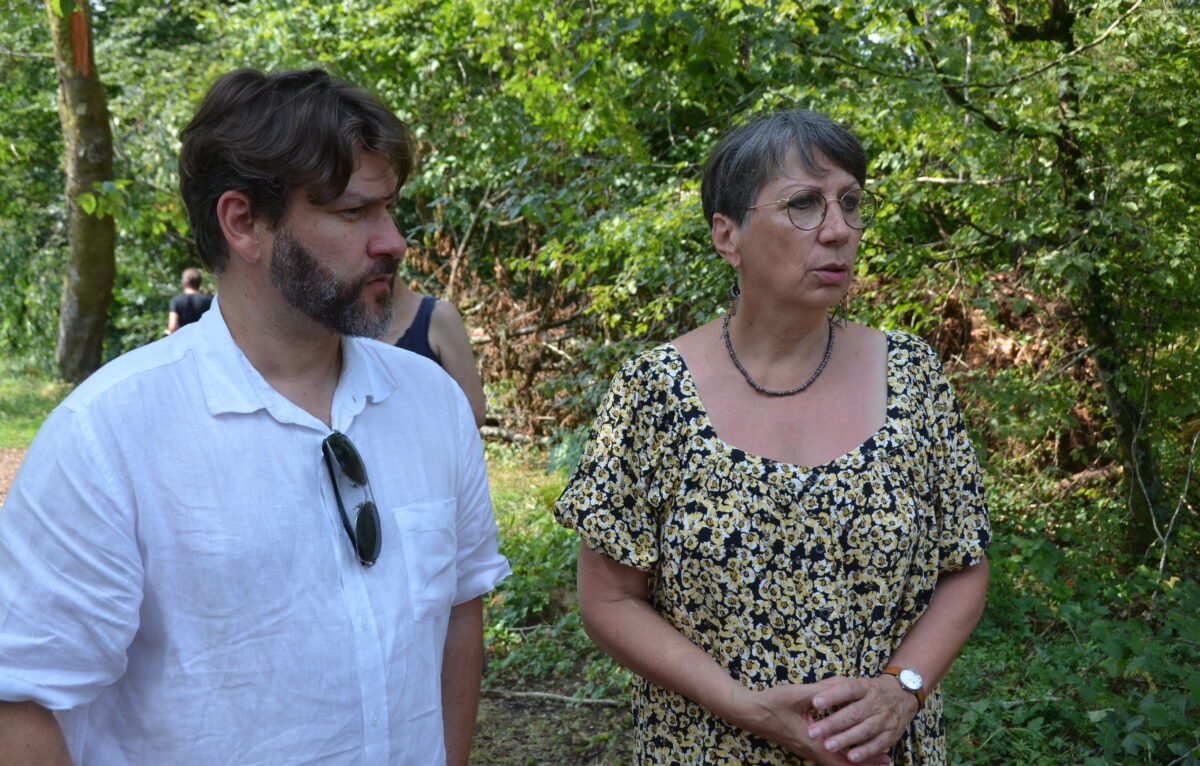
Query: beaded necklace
x=767, y=391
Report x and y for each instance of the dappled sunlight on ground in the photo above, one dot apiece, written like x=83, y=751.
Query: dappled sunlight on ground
x=10, y=458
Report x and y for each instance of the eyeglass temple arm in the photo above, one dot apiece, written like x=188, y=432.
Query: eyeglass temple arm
x=337, y=493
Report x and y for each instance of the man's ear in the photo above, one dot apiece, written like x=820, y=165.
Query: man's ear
x=241, y=231
x=726, y=236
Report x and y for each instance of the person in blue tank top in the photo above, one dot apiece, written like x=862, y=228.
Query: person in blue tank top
x=433, y=328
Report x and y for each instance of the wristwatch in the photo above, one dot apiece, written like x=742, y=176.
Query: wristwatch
x=909, y=679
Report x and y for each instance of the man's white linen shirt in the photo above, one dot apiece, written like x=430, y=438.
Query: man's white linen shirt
x=176, y=581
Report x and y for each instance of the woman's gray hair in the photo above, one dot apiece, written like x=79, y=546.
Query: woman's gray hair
x=744, y=160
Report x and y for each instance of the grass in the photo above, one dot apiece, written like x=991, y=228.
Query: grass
x=533, y=621
x=26, y=398
x=536, y=644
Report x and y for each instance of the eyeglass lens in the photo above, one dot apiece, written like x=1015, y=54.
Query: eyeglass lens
x=347, y=458
x=807, y=208
x=349, y=476
x=366, y=533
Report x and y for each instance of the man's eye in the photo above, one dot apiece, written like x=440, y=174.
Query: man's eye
x=851, y=201
x=350, y=212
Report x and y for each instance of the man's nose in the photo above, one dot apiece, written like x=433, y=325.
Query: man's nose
x=387, y=241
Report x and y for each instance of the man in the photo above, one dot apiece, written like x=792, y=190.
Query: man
x=224, y=590
x=187, y=306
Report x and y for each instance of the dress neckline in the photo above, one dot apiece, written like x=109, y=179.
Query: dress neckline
x=868, y=445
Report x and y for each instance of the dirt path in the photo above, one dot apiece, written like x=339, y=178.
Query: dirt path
x=10, y=458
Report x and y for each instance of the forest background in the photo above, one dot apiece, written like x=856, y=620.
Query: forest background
x=1038, y=164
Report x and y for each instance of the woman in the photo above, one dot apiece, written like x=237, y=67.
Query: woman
x=782, y=526
x=433, y=328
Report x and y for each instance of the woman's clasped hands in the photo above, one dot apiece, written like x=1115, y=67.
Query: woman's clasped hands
x=835, y=722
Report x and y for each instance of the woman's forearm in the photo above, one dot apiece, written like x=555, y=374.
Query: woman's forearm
x=619, y=618
x=872, y=712
x=934, y=641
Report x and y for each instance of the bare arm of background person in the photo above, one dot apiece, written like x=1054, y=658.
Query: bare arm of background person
x=462, y=666
x=29, y=736
x=448, y=338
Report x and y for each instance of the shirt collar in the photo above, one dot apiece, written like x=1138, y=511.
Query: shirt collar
x=231, y=383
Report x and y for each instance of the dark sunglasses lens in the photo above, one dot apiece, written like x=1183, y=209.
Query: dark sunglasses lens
x=367, y=534
x=347, y=458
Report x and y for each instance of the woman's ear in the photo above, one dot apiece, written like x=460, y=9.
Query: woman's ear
x=726, y=236
x=236, y=216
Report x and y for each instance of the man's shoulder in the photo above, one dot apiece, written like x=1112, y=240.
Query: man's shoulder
x=130, y=373
x=192, y=299
x=397, y=361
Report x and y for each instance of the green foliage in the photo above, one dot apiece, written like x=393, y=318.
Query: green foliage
x=533, y=629
x=27, y=395
x=32, y=217
x=1039, y=182
x=63, y=7
x=1074, y=665
x=135, y=43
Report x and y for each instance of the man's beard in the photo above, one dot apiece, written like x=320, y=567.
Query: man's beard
x=322, y=297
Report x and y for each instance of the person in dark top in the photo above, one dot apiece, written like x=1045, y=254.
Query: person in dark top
x=433, y=328
x=416, y=337
x=187, y=307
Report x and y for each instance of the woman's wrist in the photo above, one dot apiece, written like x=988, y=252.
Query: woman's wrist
x=905, y=701
x=732, y=703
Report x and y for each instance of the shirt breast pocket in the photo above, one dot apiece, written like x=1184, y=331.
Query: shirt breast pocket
x=427, y=536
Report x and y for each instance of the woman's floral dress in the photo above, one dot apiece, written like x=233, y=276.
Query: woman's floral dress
x=782, y=573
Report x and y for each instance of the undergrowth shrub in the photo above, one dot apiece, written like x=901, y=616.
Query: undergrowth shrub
x=535, y=636
x=1075, y=661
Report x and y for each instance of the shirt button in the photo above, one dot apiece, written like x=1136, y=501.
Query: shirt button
x=375, y=719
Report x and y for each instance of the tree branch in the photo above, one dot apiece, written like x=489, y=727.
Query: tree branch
x=952, y=89
x=25, y=54
x=480, y=339
x=1061, y=59
x=967, y=181
x=554, y=697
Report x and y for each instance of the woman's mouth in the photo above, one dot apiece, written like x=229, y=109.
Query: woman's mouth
x=832, y=273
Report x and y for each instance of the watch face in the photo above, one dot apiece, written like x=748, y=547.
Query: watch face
x=910, y=678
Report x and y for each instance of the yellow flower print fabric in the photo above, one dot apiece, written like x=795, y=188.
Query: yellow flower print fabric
x=782, y=573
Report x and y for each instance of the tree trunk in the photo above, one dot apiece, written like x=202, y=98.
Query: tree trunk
x=83, y=112
x=1144, y=493
x=1143, y=486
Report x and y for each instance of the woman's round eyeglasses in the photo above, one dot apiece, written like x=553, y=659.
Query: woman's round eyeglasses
x=806, y=208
